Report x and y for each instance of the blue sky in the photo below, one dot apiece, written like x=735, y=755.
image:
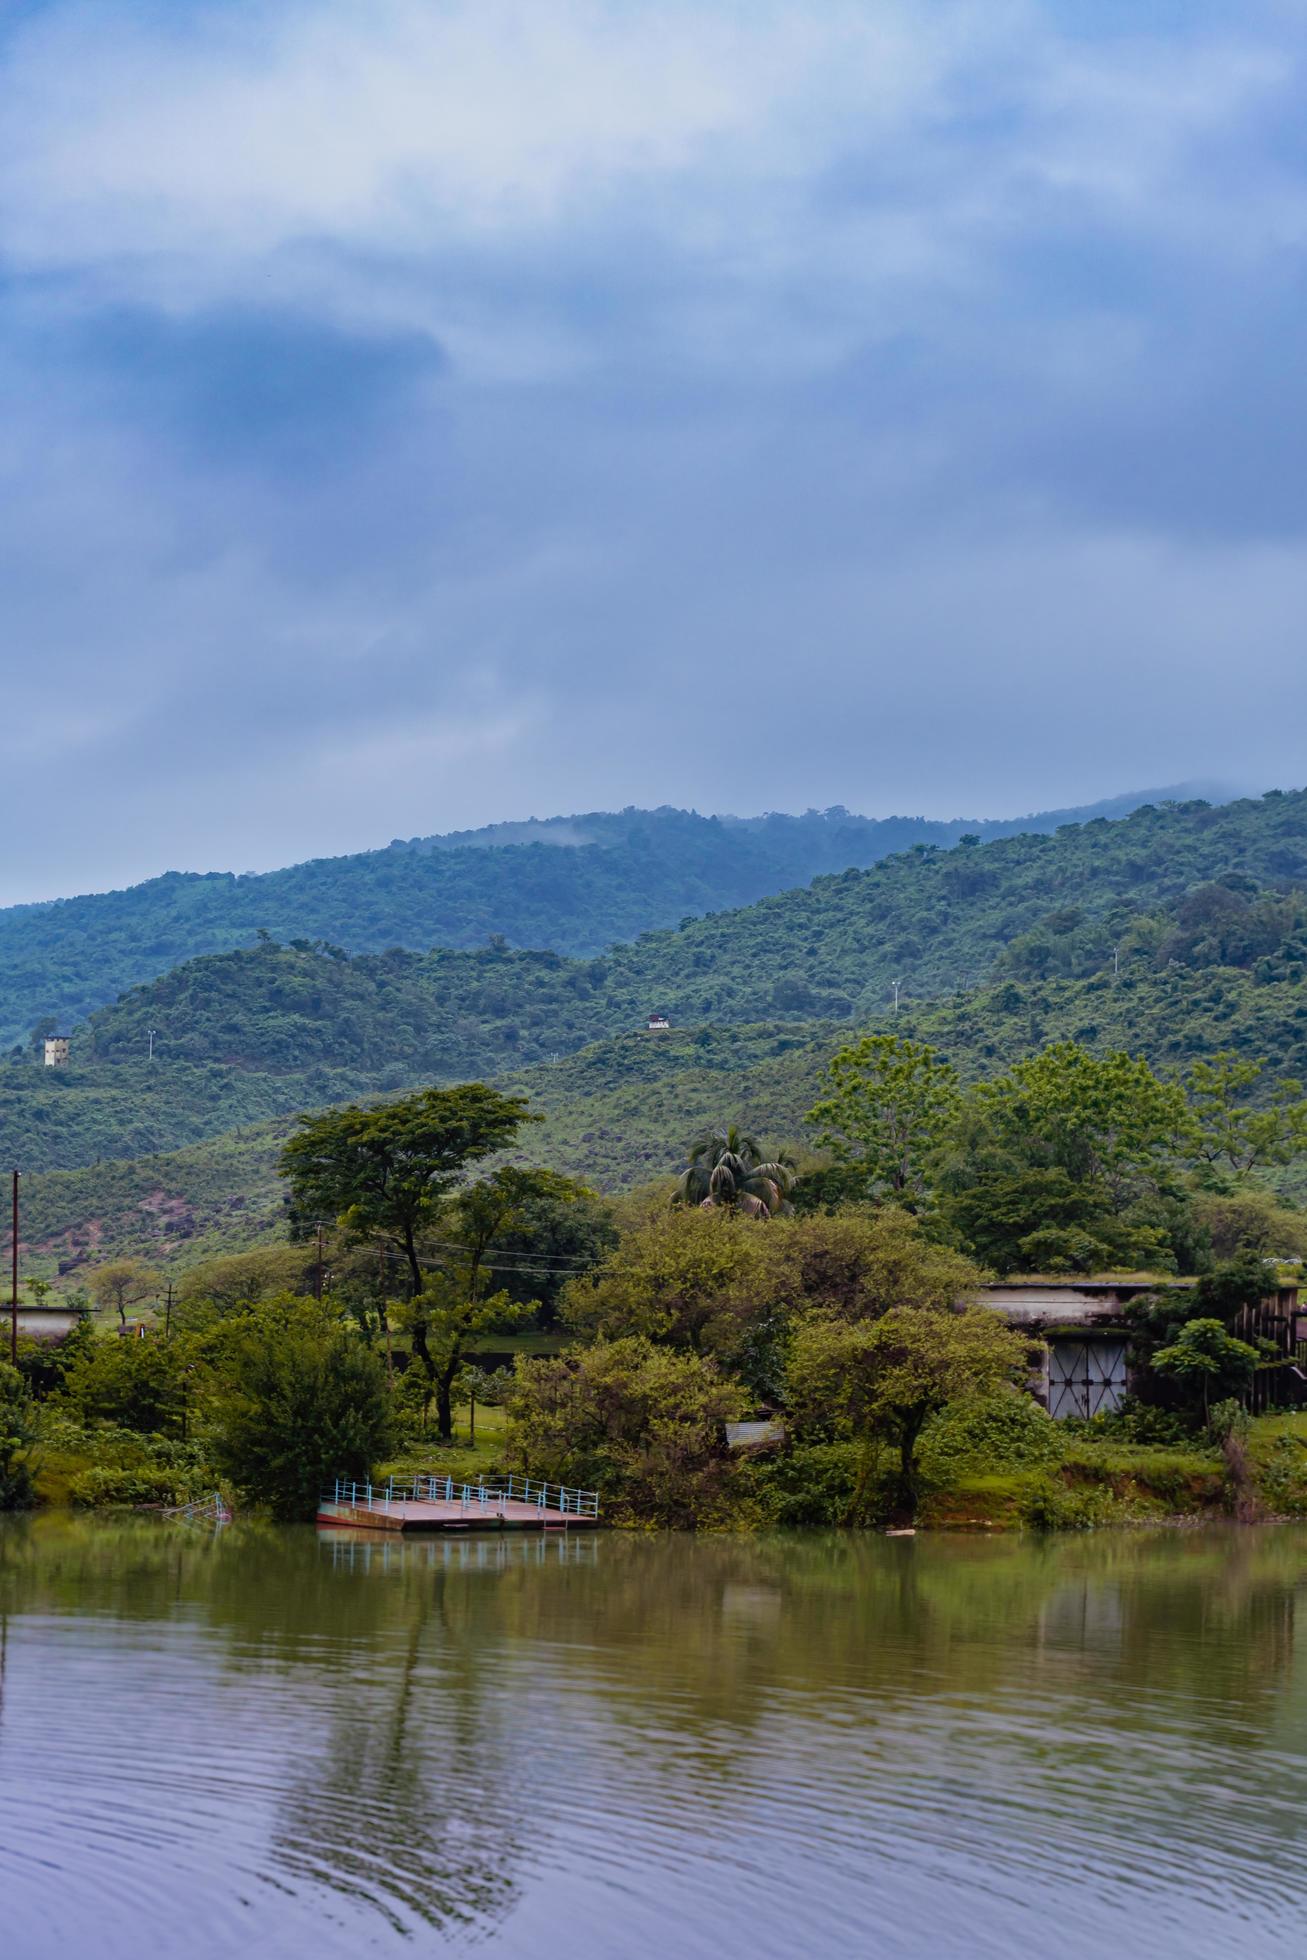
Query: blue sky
x=426, y=412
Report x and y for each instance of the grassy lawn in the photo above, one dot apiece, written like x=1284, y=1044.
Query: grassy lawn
x=464, y=1459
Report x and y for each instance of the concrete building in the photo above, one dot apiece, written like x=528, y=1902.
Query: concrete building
x=658, y=1024
x=45, y=1323
x=56, y=1051
x=1081, y=1322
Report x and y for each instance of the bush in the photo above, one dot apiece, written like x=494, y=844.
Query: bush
x=135, y=1484
x=299, y=1401
x=635, y=1421
x=17, y=1433
x=1135, y=1422
x=811, y=1484
x=134, y=1384
x=995, y=1432
x=1048, y=1505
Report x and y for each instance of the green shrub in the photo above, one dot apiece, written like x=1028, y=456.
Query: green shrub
x=1135, y=1422
x=1048, y=1505
x=142, y=1483
x=17, y=1434
x=813, y=1483
x=995, y=1432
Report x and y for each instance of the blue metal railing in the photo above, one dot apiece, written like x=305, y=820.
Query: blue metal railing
x=486, y=1496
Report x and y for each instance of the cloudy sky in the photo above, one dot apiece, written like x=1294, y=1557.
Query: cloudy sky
x=425, y=412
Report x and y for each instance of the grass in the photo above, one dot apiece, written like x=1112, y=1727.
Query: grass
x=464, y=1459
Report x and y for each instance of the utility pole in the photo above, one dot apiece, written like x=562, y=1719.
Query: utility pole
x=13, y=1282
x=167, y=1315
x=1116, y=962
x=896, y=984
x=317, y=1274
x=151, y=1032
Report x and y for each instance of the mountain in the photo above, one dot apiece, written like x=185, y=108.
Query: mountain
x=571, y=884
x=621, y=1111
x=1175, y=926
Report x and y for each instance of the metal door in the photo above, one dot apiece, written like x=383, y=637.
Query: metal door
x=1085, y=1377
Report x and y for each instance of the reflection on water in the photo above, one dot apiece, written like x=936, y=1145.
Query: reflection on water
x=276, y=1742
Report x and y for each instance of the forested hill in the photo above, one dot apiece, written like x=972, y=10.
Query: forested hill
x=575, y=885
x=1176, y=921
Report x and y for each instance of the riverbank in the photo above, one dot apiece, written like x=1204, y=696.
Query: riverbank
x=978, y=1474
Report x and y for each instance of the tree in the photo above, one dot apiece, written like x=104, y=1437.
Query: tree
x=727, y=1171
x=1250, y=1219
x=885, y=1377
x=1206, y=1363
x=630, y=1419
x=297, y=1400
x=17, y=1434
x=133, y=1384
x=558, y=1228
x=124, y=1283
x=456, y=1304
x=1234, y=1136
x=236, y=1279
x=888, y=1105
x=1106, y=1120
x=1009, y=1217
x=383, y=1173
x=687, y=1278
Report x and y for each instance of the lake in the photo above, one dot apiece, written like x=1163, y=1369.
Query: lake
x=266, y=1742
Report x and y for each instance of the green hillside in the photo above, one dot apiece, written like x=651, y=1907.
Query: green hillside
x=620, y=1112
x=1180, y=891
x=575, y=884
x=1174, y=933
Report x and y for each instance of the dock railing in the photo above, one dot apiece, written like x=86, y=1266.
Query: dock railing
x=204, y=1510
x=489, y=1495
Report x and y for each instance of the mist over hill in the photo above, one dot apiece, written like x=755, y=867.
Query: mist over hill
x=573, y=885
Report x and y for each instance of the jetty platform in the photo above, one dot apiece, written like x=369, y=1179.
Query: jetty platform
x=413, y=1504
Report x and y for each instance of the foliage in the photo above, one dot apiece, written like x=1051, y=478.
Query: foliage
x=633, y=1420
x=713, y=1283
x=17, y=1434
x=383, y=1173
x=574, y=887
x=1249, y=1219
x=134, y=1384
x=1066, y=1163
x=811, y=1484
x=688, y=1278
x=112, y=1484
x=1106, y=1120
x=1004, y=1431
x=887, y=1105
x=1231, y=1286
x=728, y=1171
x=887, y=1376
x=455, y=1305
x=124, y=1283
x=1238, y=1137
x=1206, y=1363
x=237, y=1279
x=296, y=1400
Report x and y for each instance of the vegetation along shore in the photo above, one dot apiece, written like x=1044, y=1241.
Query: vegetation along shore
x=996, y=1263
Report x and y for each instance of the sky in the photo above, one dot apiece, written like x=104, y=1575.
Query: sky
x=424, y=413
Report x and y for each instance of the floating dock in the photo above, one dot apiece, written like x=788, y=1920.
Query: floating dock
x=440, y=1504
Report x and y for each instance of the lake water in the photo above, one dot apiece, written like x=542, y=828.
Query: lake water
x=267, y=1743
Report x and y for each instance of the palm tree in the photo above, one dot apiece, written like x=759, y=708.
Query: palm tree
x=727, y=1171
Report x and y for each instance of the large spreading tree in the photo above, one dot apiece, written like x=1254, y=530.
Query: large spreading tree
x=383, y=1174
